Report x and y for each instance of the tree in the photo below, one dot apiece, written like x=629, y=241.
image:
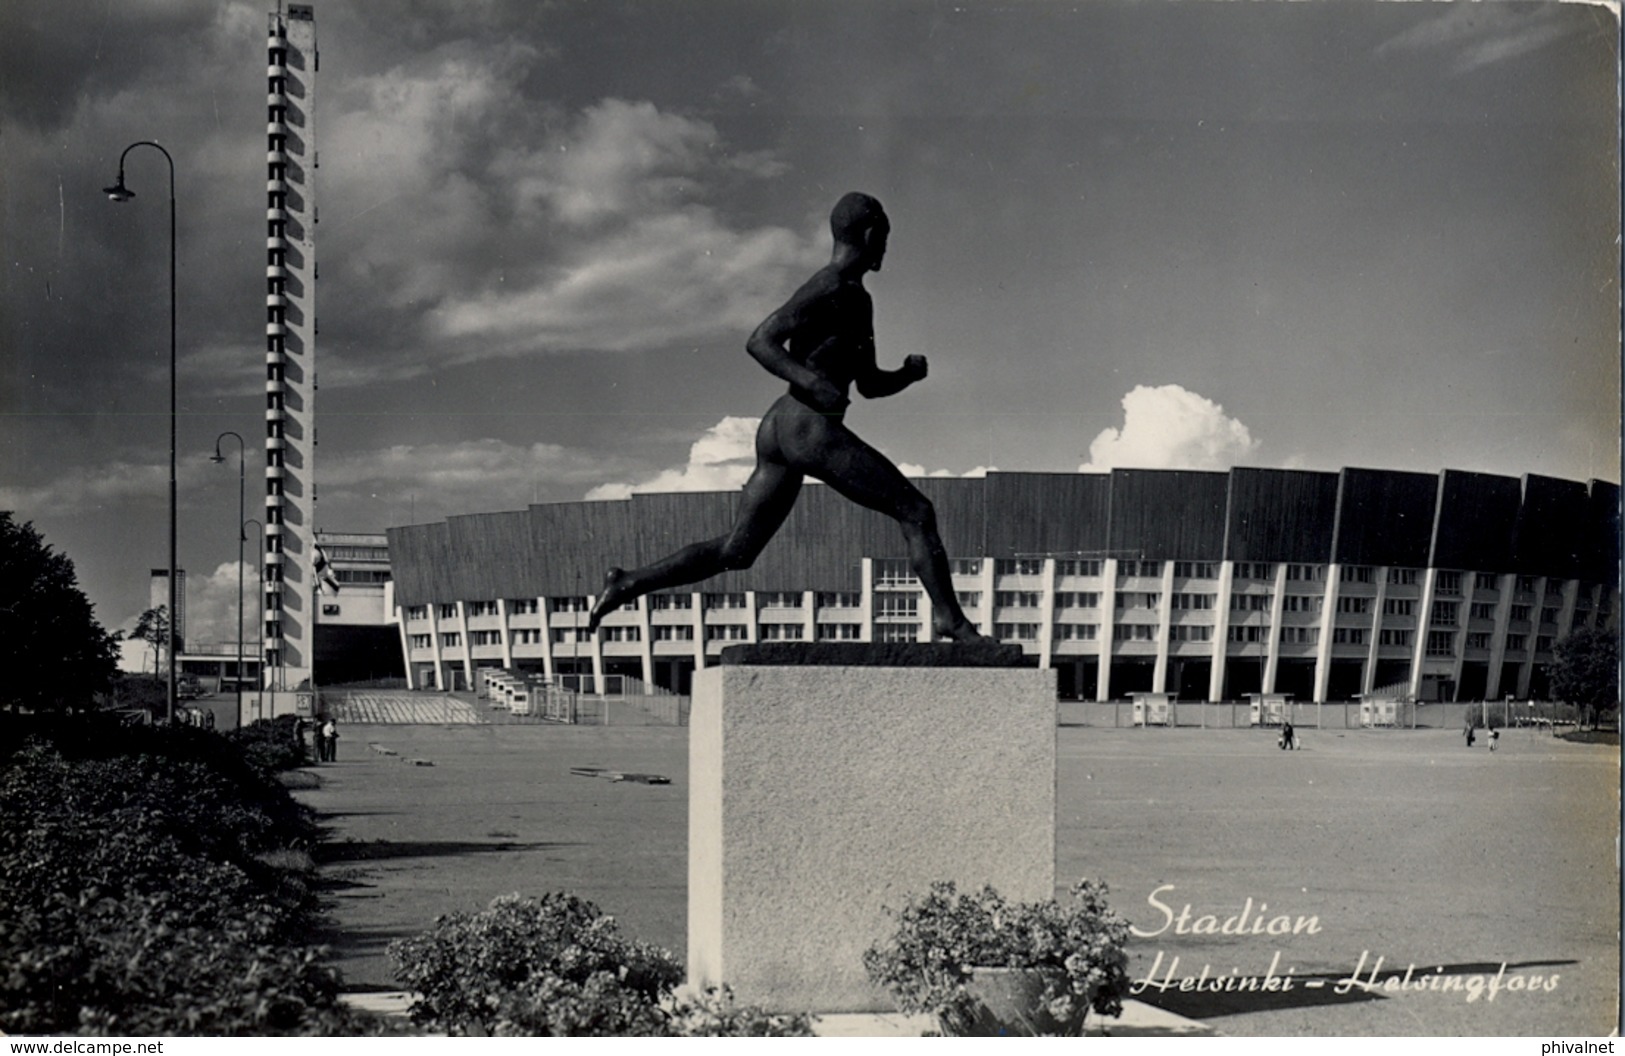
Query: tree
x=53, y=651
x=153, y=628
x=1585, y=670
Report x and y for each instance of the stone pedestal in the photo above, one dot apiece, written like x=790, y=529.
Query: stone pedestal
x=823, y=789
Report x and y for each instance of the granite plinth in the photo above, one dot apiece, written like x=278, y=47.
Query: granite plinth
x=876, y=654
x=822, y=795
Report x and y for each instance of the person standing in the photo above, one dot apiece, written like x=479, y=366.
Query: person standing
x=330, y=741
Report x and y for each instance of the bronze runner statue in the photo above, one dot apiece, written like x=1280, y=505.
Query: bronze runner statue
x=821, y=341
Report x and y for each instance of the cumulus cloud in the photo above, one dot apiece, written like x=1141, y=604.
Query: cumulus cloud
x=1170, y=427
x=720, y=460
x=913, y=469
x=210, y=605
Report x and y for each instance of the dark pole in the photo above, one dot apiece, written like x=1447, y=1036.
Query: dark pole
x=119, y=193
x=242, y=537
x=260, y=671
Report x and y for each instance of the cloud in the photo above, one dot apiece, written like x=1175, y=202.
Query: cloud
x=210, y=605
x=463, y=477
x=721, y=460
x=911, y=469
x=493, y=226
x=88, y=489
x=1474, y=36
x=1169, y=427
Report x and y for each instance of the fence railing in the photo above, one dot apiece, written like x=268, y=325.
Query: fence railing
x=1332, y=715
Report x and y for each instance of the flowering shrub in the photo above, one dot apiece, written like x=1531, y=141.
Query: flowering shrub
x=556, y=966
x=943, y=936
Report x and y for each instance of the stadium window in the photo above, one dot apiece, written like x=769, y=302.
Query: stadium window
x=897, y=632
x=897, y=603
x=893, y=572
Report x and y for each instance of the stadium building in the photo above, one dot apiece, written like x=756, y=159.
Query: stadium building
x=1204, y=585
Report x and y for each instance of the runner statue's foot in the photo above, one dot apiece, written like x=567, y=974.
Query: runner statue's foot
x=964, y=631
x=614, y=594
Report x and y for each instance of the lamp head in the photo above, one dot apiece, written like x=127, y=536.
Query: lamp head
x=118, y=192
x=217, y=456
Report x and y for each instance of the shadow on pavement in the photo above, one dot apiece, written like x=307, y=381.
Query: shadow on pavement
x=377, y=850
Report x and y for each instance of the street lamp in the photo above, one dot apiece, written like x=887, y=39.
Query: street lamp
x=120, y=193
x=242, y=537
x=260, y=671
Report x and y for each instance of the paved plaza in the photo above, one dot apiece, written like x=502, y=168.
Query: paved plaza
x=1373, y=883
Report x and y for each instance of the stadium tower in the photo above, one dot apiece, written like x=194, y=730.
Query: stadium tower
x=290, y=349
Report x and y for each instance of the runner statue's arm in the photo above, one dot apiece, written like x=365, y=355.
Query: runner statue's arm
x=769, y=346
x=874, y=383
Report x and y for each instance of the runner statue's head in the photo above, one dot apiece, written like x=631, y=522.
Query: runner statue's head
x=859, y=222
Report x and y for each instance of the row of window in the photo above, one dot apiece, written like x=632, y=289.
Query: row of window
x=1439, y=643
x=1444, y=611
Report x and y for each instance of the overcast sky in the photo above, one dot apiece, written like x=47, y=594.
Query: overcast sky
x=1125, y=234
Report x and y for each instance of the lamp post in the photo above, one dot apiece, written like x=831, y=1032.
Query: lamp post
x=242, y=458
x=260, y=671
x=120, y=193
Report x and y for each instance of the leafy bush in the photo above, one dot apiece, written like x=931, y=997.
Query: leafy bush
x=556, y=966
x=271, y=746
x=146, y=886
x=941, y=937
x=140, y=965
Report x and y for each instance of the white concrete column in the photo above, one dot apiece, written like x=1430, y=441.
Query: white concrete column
x=504, y=636
x=549, y=672
x=866, y=602
x=1328, y=625
x=468, y=644
x=1165, y=612
x=1368, y=677
x=1221, y=631
x=1046, y=617
x=1424, y=621
x=1498, y=639
x=1108, y=627
x=1272, y=640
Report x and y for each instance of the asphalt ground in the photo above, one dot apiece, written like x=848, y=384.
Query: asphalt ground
x=1467, y=873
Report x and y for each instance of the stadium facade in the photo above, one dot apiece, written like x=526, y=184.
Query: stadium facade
x=1206, y=585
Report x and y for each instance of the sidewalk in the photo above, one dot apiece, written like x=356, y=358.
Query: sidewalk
x=1138, y=1020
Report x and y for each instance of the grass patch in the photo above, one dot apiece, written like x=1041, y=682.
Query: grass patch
x=1591, y=737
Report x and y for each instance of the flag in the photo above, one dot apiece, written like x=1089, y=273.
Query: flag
x=324, y=573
